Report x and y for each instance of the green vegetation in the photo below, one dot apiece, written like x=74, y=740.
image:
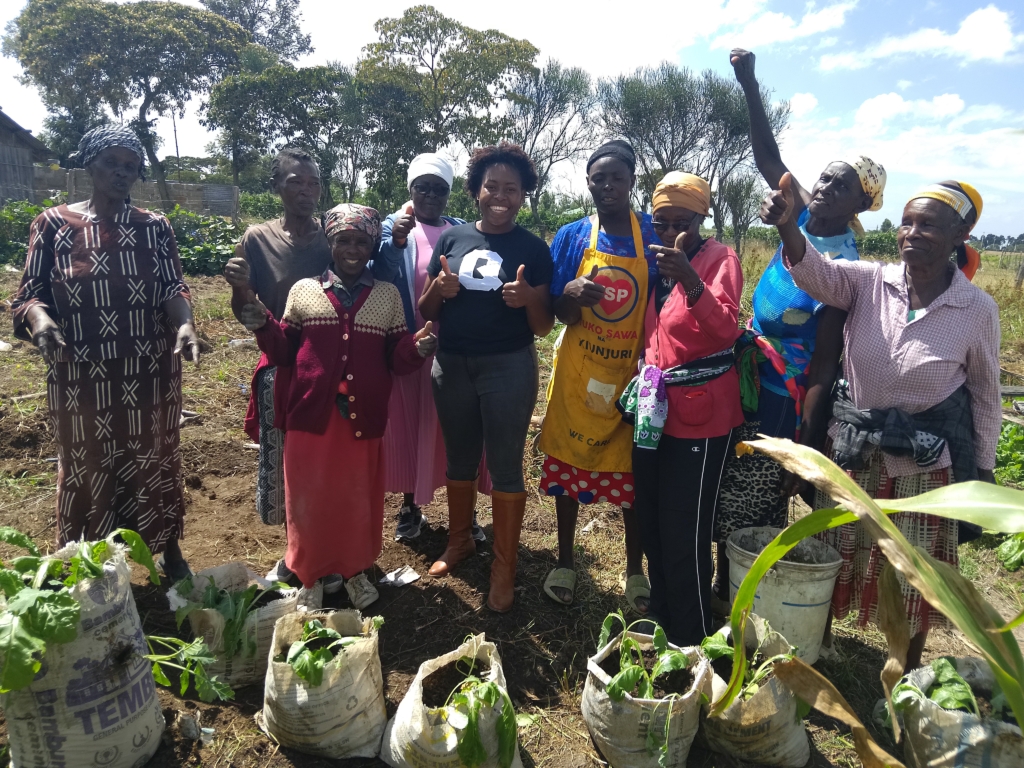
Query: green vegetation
x=15, y=219
x=233, y=606
x=205, y=243
x=1011, y=552
x=316, y=648
x=950, y=691
x=1010, y=455
x=462, y=712
x=633, y=676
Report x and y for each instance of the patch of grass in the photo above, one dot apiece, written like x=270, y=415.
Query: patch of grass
x=18, y=485
x=970, y=567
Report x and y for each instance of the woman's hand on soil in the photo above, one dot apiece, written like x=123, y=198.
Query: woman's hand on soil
x=518, y=293
x=450, y=284
x=187, y=343
x=253, y=314
x=46, y=335
x=426, y=341
x=236, y=272
x=584, y=291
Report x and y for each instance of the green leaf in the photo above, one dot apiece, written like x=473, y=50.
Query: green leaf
x=526, y=720
x=625, y=682
x=159, y=676
x=669, y=661
x=606, y=628
x=16, y=538
x=471, y=747
x=26, y=564
x=51, y=616
x=950, y=690
x=11, y=582
x=378, y=622
x=210, y=688
x=1011, y=552
x=717, y=645
x=993, y=507
x=186, y=678
x=660, y=639
x=137, y=551
x=20, y=653
x=508, y=733
x=803, y=709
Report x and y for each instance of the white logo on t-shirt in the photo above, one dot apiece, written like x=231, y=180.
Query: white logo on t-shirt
x=479, y=271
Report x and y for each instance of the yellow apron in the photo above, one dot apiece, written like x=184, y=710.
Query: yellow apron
x=594, y=361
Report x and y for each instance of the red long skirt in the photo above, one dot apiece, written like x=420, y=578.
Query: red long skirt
x=334, y=501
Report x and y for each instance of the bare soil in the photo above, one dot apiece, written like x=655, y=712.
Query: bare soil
x=543, y=646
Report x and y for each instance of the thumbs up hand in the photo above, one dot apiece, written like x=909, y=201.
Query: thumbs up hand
x=426, y=341
x=584, y=290
x=519, y=292
x=778, y=207
x=253, y=314
x=450, y=284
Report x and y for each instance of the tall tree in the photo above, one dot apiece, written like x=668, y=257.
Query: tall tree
x=274, y=24
x=64, y=127
x=146, y=58
x=460, y=75
x=551, y=116
x=741, y=194
x=678, y=120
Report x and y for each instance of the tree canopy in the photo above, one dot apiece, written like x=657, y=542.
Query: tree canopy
x=273, y=24
x=142, y=58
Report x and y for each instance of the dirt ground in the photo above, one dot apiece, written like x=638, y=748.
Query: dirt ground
x=544, y=647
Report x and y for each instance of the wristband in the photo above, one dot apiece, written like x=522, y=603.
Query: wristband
x=694, y=293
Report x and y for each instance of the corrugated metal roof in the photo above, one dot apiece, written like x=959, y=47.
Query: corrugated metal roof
x=39, y=150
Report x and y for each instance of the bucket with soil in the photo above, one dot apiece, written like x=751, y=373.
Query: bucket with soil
x=761, y=725
x=634, y=727
x=794, y=596
x=338, y=712
x=984, y=733
x=242, y=651
x=456, y=702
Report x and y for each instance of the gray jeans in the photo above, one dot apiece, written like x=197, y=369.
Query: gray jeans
x=486, y=400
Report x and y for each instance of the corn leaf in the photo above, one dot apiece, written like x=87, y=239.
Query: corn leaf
x=940, y=584
x=993, y=507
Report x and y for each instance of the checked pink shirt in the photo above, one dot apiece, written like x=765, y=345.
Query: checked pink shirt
x=893, y=363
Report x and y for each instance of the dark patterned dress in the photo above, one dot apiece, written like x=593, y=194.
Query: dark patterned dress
x=115, y=390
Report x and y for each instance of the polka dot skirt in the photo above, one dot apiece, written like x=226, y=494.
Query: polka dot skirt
x=560, y=479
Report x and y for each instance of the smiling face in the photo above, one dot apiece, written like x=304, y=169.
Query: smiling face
x=610, y=181
x=429, y=198
x=351, y=249
x=298, y=184
x=838, y=194
x=501, y=197
x=929, y=232
x=671, y=220
x=114, y=171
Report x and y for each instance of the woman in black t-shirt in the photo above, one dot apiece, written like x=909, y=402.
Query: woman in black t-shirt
x=488, y=285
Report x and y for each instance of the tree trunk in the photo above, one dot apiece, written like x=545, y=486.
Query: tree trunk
x=737, y=238
x=1020, y=276
x=535, y=210
x=234, y=161
x=149, y=143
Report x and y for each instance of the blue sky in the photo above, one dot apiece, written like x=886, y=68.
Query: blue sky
x=932, y=90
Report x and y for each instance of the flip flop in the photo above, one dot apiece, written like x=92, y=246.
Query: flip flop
x=560, y=578
x=637, y=587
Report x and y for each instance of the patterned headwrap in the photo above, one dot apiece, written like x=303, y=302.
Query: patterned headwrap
x=98, y=139
x=961, y=202
x=872, y=178
x=683, y=190
x=346, y=216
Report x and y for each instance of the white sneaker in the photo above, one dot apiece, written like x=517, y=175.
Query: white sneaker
x=360, y=591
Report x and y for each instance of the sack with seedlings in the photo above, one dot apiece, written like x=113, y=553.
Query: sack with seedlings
x=324, y=693
x=946, y=726
x=642, y=698
x=765, y=722
x=456, y=712
x=234, y=610
x=77, y=689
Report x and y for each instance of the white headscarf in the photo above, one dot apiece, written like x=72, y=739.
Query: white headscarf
x=430, y=164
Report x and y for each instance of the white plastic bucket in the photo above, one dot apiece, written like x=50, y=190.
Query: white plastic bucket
x=794, y=596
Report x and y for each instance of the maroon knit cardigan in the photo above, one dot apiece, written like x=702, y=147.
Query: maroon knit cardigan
x=319, y=344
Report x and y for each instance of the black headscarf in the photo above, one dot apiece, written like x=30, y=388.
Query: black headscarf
x=98, y=139
x=617, y=148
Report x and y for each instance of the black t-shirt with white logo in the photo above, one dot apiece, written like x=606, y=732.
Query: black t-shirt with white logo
x=478, y=321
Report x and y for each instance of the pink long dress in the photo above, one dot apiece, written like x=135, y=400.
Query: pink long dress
x=414, y=456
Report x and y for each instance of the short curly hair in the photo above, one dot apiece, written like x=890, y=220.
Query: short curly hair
x=504, y=153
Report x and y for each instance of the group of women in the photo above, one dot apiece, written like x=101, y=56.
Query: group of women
x=399, y=356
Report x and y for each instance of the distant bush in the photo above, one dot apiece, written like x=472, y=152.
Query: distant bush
x=15, y=219
x=205, y=243
x=260, y=205
x=878, y=244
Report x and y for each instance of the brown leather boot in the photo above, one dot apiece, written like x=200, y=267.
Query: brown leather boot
x=507, y=511
x=461, y=503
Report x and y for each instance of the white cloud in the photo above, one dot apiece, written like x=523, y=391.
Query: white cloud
x=801, y=104
x=903, y=84
x=772, y=27
x=985, y=35
x=919, y=142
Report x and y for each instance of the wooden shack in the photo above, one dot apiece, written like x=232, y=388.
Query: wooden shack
x=19, y=149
